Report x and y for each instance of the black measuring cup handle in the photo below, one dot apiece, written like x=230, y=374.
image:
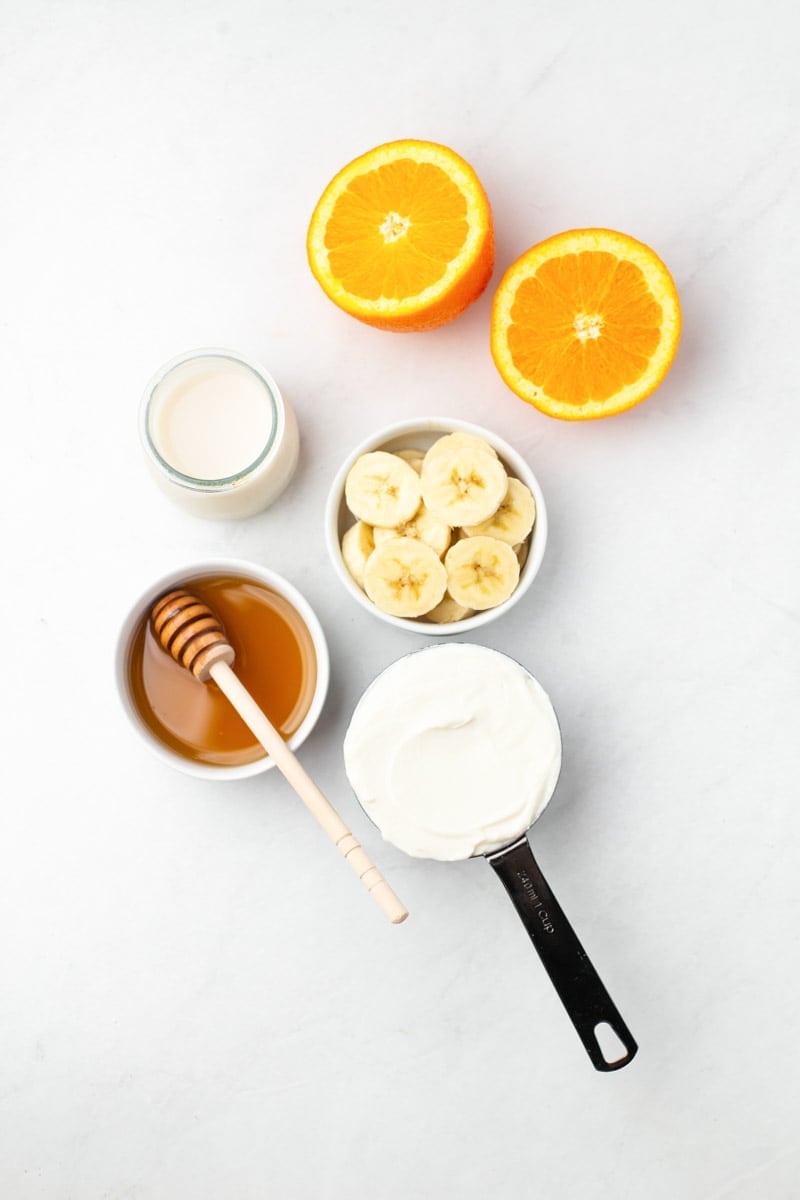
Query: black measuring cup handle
x=579, y=987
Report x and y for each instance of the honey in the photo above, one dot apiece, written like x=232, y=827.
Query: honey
x=275, y=661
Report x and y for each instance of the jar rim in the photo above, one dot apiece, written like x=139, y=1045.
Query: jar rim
x=228, y=482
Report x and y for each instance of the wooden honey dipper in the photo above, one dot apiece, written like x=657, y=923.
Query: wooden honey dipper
x=188, y=630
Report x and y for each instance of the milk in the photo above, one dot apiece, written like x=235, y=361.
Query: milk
x=211, y=418
x=219, y=437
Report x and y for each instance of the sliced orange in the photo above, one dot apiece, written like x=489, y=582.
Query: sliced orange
x=586, y=324
x=402, y=237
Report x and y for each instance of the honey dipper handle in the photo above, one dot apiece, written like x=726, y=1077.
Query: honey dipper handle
x=320, y=807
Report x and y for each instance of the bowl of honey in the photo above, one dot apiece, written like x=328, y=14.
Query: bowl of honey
x=281, y=658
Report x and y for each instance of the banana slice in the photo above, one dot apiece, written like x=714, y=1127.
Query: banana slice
x=382, y=489
x=450, y=440
x=521, y=552
x=482, y=572
x=462, y=484
x=513, y=520
x=447, y=610
x=424, y=526
x=357, y=545
x=405, y=577
x=413, y=457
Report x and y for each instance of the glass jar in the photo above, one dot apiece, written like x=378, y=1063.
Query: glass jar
x=219, y=438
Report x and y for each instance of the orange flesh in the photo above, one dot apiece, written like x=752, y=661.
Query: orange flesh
x=584, y=326
x=395, y=230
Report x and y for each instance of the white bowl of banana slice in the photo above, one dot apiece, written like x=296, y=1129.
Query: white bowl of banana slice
x=437, y=525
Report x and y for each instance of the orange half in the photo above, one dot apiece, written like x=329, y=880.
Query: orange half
x=585, y=324
x=402, y=237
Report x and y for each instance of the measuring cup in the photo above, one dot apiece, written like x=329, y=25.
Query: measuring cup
x=384, y=708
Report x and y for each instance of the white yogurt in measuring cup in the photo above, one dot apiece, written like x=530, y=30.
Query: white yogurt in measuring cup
x=219, y=437
x=453, y=751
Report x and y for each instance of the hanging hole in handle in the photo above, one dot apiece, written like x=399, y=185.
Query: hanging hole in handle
x=612, y=1048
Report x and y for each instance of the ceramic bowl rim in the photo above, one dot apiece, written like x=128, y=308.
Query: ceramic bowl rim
x=180, y=575
x=433, y=425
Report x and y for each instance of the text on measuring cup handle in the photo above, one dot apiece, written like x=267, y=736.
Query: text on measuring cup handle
x=535, y=900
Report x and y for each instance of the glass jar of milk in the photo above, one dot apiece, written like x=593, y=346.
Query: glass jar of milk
x=219, y=438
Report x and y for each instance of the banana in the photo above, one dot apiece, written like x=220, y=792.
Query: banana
x=447, y=610
x=357, y=545
x=413, y=457
x=521, y=552
x=450, y=440
x=513, y=520
x=382, y=489
x=405, y=577
x=482, y=572
x=424, y=526
x=462, y=483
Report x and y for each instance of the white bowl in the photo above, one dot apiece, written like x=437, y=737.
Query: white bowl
x=178, y=578
x=424, y=433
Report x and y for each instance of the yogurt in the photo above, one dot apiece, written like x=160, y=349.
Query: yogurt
x=453, y=751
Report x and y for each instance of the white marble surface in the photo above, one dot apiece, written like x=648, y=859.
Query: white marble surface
x=197, y=1000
